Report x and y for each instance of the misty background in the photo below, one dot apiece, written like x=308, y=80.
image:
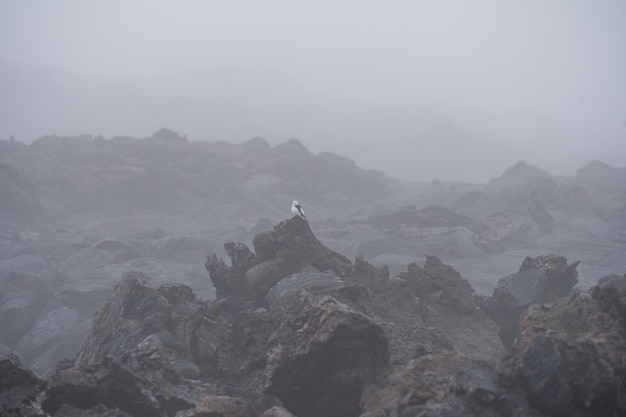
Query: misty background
x=454, y=90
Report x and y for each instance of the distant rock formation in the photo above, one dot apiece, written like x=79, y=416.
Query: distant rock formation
x=57, y=177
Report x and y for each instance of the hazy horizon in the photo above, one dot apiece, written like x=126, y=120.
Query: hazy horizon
x=420, y=90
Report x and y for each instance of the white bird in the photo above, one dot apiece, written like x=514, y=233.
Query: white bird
x=296, y=209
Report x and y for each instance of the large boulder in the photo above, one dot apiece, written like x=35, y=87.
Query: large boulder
x=286, y=250
x=569, y=358
x=135, y=312
x=538, y=280
x=316, y=355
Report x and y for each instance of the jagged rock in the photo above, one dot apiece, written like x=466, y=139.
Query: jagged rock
x=286, y=250
x=429, y=309
x=148, y=381
x=132, y=312
x=107, y=383
x=243, y=351
x=316, y=354
x=289, y=248
x=569, y=358
x=425, y=380
x=149, y=353
x=322, y=356
x=442, y=284
x=435, y=329
x=224, y=279
x=19, y=389
x=135, y=311
x=538, y=280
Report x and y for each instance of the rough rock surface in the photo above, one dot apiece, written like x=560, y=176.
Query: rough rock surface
x=435, y=328
x=569, y=359
x=135, y=311
x=421, y=304
x=322, y=356
x=538, y=280
x=152, y=352
x=329, y=337
x=316, y=355
x=19, y=389
x=287, y=249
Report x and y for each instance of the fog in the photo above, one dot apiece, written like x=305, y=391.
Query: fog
x=420, y=90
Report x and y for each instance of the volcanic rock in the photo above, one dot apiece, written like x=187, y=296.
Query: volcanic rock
x=19, y=389
x=538, y=280
x=135, y=311
x=287, y=249
x=316, y=355
x=569, y=358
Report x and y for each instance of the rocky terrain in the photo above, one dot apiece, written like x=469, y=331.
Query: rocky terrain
x=393, y=298
x=298, y=329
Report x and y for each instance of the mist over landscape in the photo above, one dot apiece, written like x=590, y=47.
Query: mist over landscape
x=386, y=85
x=462, y=171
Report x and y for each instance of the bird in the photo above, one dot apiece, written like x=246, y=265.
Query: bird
x=296, y=209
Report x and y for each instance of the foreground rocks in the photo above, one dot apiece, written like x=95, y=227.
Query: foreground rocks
x=299, y=330
x=569, y=359
x=20, y=389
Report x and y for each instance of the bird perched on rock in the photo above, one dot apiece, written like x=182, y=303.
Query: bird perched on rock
x=296, y=209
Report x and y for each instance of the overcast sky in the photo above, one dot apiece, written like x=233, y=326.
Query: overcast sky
x=536, y=74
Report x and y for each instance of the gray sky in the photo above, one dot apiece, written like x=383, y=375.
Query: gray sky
x=545, y=79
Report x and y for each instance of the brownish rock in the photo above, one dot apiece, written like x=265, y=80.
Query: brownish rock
x=429, y=309
x=222, y=406
x=569, y=358
x=316, y=355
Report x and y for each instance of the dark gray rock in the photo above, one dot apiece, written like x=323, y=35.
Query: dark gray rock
x=286, y=250
x=311, y=280
x=19, y=389
x=316, y=354
x=135, y=311
x=569, y=357
x=322, y=356
x=539, y=280
x=107, y=383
